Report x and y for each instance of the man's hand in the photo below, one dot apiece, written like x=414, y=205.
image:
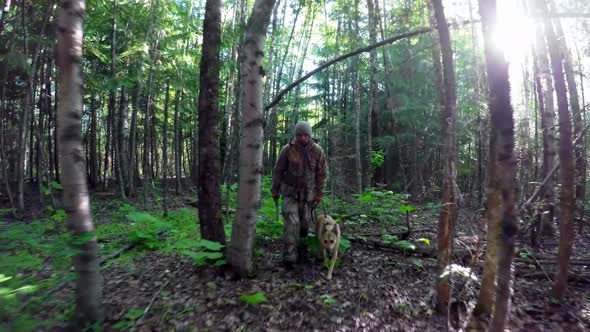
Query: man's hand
x=318, y=198
x=275, y=196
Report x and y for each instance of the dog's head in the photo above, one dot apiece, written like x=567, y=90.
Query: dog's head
x=329, y=232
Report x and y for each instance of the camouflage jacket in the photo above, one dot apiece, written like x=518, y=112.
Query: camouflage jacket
x=300, y=171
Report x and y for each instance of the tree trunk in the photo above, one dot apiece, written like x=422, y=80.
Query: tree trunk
x=210, y=216
x=55, y=145
x=241, y=250
x=565, y=157
x=544, y=87
x=177, y=149
x=123, y=141
x=267, y=88
x=76, y=199
x=133, y=136
x=165, y=148
x=148, y=174
x=357, y=132
x=373, y=114
x=579, y=155
x=358, y=166
x=4, y=164
x=448, y=215
x=502, y=125
x=481, y=132
x=22, y=136
x=110, y=137
x=93, y=156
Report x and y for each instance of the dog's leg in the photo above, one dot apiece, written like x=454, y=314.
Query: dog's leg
x=335, y=254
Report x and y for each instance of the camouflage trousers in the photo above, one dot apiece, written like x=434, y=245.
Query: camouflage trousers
x=297, y=219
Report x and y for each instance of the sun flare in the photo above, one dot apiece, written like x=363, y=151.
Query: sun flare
x=515, y=32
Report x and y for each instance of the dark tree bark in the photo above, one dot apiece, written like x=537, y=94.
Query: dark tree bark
x=123, y=140
x=110, y=136
x=373, y=114
x=177, y=147
x=210, y=216
x=502, y=139
x=165, y=148
x=93, y=169
x=133, y=136
x=544, y=88
x=565, y=156
x=76, y=199
x=448, y=214
x=579, y=155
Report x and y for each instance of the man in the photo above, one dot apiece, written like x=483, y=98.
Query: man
x=299, y=176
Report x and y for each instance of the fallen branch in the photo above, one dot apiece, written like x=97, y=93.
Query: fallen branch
x=100, y=263
x=571, y=276
x=425, y=251
x=550, y=175
x=417, y=230
x=140, y=320
x=581, y=262
x=126, y=248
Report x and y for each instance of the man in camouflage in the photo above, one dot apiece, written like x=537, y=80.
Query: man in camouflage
x=299, y=176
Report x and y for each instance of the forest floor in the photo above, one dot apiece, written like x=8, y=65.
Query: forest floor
x=375, y=288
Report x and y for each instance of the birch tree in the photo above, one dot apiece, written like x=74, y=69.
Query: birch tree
x=241, y=249
x=76, y=198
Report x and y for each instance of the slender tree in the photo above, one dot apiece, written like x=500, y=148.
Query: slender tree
x=76, y=199
x=448, y=214
x=544, y=88
x=165, y=148
x=358, y=164
x=177, y=146
x=373, y=114
x=579, y=155
x=565, y=156
x=93, y=168
x=241, y=249
x=502, y=128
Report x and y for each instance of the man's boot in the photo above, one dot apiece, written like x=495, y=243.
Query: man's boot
x=290, y=254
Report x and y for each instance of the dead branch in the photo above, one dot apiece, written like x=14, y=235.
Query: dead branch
x=540, y=187
x=358, y=51
x=140, y=320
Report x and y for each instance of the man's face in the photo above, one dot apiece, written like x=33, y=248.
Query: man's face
x=302, y=139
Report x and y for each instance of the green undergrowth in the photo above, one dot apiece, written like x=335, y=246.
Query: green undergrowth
x=37, y=255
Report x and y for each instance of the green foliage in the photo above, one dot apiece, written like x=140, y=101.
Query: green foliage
x=328, y=300
x=425, y=240
x=129, y=319
x=254, y=299
x=201, y=251
x=269, y=230
x=377, y=158
x=407, y=208
x=375, y=205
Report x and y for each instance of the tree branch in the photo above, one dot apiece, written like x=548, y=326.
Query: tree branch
x=551, y=172
x=358, y=51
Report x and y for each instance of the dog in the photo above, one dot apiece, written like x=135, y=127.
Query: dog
x=328, y=234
